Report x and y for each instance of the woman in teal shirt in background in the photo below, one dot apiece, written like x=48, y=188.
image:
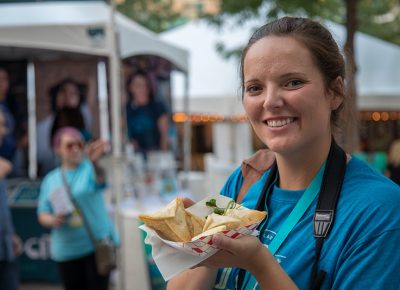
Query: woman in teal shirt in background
x=71, y=246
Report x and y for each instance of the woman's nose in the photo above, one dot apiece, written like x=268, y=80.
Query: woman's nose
x=272, y=98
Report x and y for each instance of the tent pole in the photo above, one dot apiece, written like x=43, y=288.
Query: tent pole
x=103, y=104
x=117, y=160
x=32, y=121
x=115, y=82
x=187, y=154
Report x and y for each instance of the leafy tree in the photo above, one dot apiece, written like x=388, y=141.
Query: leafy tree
x=156, y=15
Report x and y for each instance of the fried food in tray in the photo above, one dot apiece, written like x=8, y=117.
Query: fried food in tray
x=175, y=223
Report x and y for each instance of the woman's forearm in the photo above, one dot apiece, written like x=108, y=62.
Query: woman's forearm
x=201, y=278
x=270, y=275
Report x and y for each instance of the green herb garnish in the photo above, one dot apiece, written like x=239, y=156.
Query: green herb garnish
x=221, y=210
x=211, y=203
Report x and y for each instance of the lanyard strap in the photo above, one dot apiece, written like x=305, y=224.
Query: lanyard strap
x=301, y=207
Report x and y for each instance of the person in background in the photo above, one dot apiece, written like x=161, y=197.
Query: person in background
x=393, y=169
x=293, y=90
x=66, y=94
x=69, y=93
x=8, y=146
x=69, y=117
x=147, y=119
x=71, y=246
x=367, y=153
x=10, y=245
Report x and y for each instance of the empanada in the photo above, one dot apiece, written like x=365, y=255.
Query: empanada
x=170, y=222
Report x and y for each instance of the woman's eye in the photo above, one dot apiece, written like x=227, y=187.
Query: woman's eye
x=294, y=83
x=253, y=89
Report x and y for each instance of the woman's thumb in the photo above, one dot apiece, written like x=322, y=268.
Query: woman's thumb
x=224, y=243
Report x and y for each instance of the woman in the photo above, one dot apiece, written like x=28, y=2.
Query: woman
x=71, y=246
x=293, y=91
x=67, y=94
x=147, y=120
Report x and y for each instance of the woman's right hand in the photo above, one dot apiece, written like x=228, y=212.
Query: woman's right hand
x=58, y=220
x=250, y=254
x=49, y=220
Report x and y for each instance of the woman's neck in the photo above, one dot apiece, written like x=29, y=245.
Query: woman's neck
x=140, y=103
x=69, y=166
x=296, y=171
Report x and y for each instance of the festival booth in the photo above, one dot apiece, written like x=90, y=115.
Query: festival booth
x=214, y=93
x=44, y=43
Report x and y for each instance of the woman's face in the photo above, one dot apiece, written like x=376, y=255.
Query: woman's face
x=140, y=90
x=285, y=96
x=70, y=149
x=68, y=96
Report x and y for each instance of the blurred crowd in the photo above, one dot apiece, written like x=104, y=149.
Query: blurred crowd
x=73, y=183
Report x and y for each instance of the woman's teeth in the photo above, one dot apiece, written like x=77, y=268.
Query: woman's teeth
x=279, y=123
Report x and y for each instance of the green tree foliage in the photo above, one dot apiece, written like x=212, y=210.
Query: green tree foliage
x=380, y=18
x=156, y=15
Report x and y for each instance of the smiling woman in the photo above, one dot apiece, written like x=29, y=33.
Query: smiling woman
x=286, y=99
x=293, y=91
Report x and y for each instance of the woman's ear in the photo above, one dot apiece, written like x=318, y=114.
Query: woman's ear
x=337, y=92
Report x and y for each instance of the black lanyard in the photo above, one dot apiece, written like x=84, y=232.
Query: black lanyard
x=324, y=214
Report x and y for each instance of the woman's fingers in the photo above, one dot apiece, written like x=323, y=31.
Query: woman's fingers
x=96, y=149
x=187, y=202
x=58, y=220
x=225, y=243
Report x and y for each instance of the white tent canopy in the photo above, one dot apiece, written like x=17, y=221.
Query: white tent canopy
x=214, y=80
x=80, y=27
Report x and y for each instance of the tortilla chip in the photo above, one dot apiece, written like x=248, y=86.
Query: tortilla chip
x=246, y=216
x=210, y=232
x=170, y=222
x=166, y=212
x=179, y=224
x=195, y=223
x=215, y=220
x=161, y=227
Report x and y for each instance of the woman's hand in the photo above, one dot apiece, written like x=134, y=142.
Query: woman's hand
x=57, y=221
x=244, y=252
x=250, y=254
x=50, y=220
x=96, y=149
x=187, y=202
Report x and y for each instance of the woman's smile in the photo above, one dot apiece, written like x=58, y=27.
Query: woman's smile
x=279, y=122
